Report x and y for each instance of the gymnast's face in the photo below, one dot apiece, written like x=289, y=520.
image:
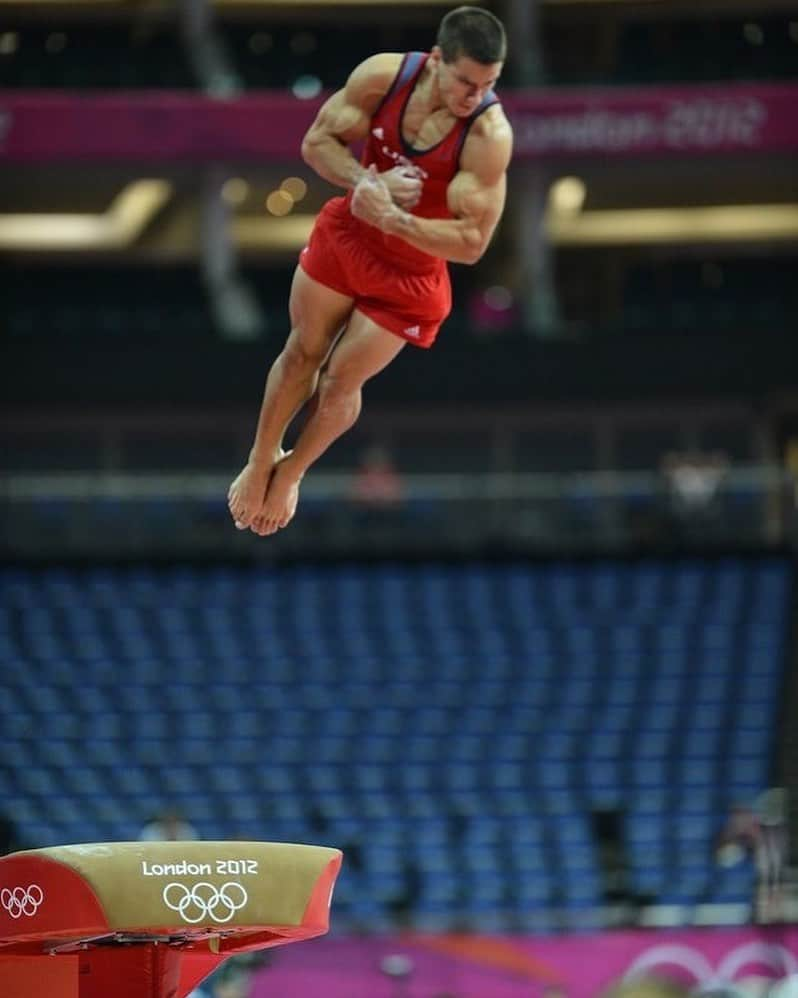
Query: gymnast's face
x=464, y=83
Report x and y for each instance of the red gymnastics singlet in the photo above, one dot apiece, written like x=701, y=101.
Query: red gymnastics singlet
x=386, y=148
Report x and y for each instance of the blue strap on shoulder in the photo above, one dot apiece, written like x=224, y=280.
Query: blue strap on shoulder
x=410, y=67
x=489, y=99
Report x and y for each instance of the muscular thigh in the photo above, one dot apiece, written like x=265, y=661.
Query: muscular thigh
x=317, y=313
x=363, y=351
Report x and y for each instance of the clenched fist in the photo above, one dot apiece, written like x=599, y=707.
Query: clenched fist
x=372, y=201
x=405, y=184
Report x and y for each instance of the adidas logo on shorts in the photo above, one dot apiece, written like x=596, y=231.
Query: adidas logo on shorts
x=413, y=331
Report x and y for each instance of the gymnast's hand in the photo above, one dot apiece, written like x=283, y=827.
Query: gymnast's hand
x=371, y=199
x=405, y=184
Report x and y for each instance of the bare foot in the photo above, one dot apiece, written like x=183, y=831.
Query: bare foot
x=246, y=493
x=281, y=500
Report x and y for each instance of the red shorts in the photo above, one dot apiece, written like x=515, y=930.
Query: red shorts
x=408, y=304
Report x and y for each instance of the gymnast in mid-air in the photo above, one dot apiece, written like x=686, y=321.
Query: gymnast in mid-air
x=429, y=188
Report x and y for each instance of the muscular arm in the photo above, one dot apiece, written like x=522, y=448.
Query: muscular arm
x=345, y=118
x=475, y=196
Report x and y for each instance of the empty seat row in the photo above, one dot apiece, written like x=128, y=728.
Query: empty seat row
x=455, y=727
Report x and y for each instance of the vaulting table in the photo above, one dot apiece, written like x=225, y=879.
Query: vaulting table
x=152, y=919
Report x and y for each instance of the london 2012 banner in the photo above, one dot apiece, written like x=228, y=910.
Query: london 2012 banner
x=562, y=124
x=735, y=963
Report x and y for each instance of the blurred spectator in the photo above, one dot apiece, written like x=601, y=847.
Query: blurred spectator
x=399, y=968
x=771, y=857
x=9, y=838
x=692, y=482
x=377, y=483
x=169, y=826
x=694, y=479
x=609, y=839
x=759, y=831
x=740, y=835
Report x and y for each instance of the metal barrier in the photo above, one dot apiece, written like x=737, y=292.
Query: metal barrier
x=185, y=515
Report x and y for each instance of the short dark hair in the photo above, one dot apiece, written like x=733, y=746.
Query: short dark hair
x=472, y=32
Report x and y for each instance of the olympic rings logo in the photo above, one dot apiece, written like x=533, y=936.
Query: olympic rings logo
x=19, y=901
x=763, y=958
x=203, y=901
